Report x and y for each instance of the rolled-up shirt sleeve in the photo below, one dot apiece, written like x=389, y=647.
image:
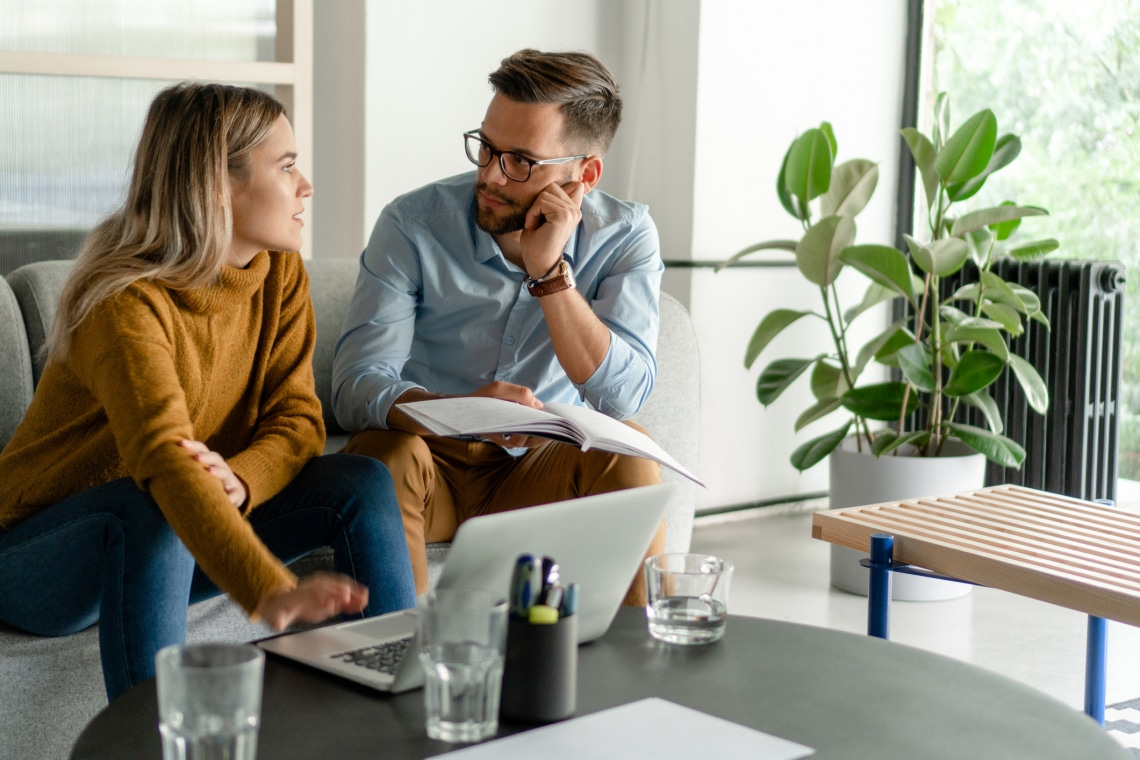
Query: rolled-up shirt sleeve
x=379, y=326
x=627, y=302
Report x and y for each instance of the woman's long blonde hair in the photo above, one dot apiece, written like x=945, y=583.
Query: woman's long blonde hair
x=175, y=227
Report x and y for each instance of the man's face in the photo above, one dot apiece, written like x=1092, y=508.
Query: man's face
x=535, y=131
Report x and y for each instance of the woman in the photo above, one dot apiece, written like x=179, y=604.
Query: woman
x=173, y=445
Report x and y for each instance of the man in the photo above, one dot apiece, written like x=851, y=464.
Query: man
x=520, y=282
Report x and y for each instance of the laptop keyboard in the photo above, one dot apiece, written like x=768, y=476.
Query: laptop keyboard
x=384, y=658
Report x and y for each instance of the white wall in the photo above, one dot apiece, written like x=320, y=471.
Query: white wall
x=767, y=72
x=714, y=92
x=426, y=75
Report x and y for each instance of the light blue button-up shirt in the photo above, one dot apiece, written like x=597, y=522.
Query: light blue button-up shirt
x=437, y=306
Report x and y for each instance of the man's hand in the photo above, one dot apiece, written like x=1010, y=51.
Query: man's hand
x=217, y=466
x=549, y=223
x=518, y=394
x=317, y=597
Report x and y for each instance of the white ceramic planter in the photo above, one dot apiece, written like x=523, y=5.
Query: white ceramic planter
x=859, y=478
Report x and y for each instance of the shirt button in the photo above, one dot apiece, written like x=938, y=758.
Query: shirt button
x=510, y=340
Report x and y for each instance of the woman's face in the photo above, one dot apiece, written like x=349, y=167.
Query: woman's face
x=267, y=205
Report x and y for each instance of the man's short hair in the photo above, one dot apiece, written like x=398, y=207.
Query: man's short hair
x=579, y=82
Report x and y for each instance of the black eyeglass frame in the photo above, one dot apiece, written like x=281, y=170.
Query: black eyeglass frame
x=473, y=135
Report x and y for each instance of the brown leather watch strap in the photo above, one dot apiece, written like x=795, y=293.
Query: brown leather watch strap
x=553, y=282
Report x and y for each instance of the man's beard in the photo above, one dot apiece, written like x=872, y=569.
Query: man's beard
x=487, y=221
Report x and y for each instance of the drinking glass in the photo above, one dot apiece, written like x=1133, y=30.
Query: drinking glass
x=463, y=635
x=209, y=701
x=687, y=597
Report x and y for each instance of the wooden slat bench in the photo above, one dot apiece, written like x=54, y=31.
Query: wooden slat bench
x=1072, y=553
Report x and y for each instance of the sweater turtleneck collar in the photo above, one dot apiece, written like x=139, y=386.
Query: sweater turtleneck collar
x=233, y=287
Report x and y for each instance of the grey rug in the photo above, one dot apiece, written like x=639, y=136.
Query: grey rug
x=1122, y=723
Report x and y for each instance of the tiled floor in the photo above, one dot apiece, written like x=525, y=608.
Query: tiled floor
x=782, y=573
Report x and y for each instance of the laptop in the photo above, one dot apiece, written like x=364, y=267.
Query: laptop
x=598, y=542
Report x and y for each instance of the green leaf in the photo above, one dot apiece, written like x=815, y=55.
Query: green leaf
x=881, y=401
x=874, y=296
x=948, y=255
x=876, y=344
x=1031, y=301
x=884, y=265
x=825, y=127
x=767, y=245
x=886, y=441
x=924, y=154
x=940, y=130
x=771, y=326
x=998, y=291
x=981, y=242
x=778, y=375
x=915, y=367
x=991, y=338
x=968, y=151
x=817, y=254
x=814, y=451
x=976, y=370
x=827, y=381
x=989, y=217
x=852, y=185
x=888, y=353
x=997, y=448
x=966, y=293
x=985, y=403
x=962, y=319
x=1036, y=250
x=1031, y=383
x=919, y=253
x=817, y=411
x=799, y=212
x=808, y=169
x=1008, y=317
x=1006, y=150
x=1002, y=230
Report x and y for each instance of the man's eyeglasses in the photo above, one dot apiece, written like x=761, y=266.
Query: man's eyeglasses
x=515, y=166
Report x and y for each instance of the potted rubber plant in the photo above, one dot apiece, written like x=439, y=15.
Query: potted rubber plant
x=947, y=351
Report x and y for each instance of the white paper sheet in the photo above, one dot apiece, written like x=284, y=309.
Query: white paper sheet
x=653, y=728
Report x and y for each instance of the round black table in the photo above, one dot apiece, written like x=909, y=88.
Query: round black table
x=847, y=696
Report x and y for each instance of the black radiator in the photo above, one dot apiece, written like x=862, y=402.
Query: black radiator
x=1072, y=448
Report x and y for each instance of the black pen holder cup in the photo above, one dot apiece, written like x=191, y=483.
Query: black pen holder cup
x=540, y=675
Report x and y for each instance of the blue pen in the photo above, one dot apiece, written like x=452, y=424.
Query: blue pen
x=569, y=600
x=526, y=584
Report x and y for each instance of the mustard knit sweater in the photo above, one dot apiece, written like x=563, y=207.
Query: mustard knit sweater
x=228, y=364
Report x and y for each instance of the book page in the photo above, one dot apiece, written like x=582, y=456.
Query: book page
x=604, y=432
x=467, y=415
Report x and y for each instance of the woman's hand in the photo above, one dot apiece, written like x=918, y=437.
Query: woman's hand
x=217, y=466
x=317, y=597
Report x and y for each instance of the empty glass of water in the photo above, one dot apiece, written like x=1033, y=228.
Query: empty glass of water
x=687, y=597
x=463, y=635
x=209, y=701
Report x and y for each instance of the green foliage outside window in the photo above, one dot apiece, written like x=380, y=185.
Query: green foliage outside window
x=1065, y=77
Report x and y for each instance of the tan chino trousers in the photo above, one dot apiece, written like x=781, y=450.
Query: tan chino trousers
x=440, y=482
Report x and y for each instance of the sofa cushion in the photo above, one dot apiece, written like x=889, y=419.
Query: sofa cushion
x=16, y=368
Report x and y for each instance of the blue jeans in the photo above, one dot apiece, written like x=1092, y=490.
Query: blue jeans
x=107, y=555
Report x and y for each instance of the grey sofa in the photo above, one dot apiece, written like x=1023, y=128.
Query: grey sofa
x=51, y=687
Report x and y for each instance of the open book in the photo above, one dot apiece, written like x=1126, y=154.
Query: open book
x=585, y=428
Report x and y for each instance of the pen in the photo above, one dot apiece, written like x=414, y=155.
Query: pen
x=526, y=585
x=569, y=600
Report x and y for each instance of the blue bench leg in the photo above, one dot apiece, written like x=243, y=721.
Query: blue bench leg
x=879, y=588
x=1096, y=650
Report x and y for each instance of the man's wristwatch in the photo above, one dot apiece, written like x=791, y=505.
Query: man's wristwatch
x=560, y=278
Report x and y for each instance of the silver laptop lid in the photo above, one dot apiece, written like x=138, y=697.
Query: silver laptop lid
x=598, y=541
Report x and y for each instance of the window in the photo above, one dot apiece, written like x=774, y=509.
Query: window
x=1065, y=77
x=76, y=80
